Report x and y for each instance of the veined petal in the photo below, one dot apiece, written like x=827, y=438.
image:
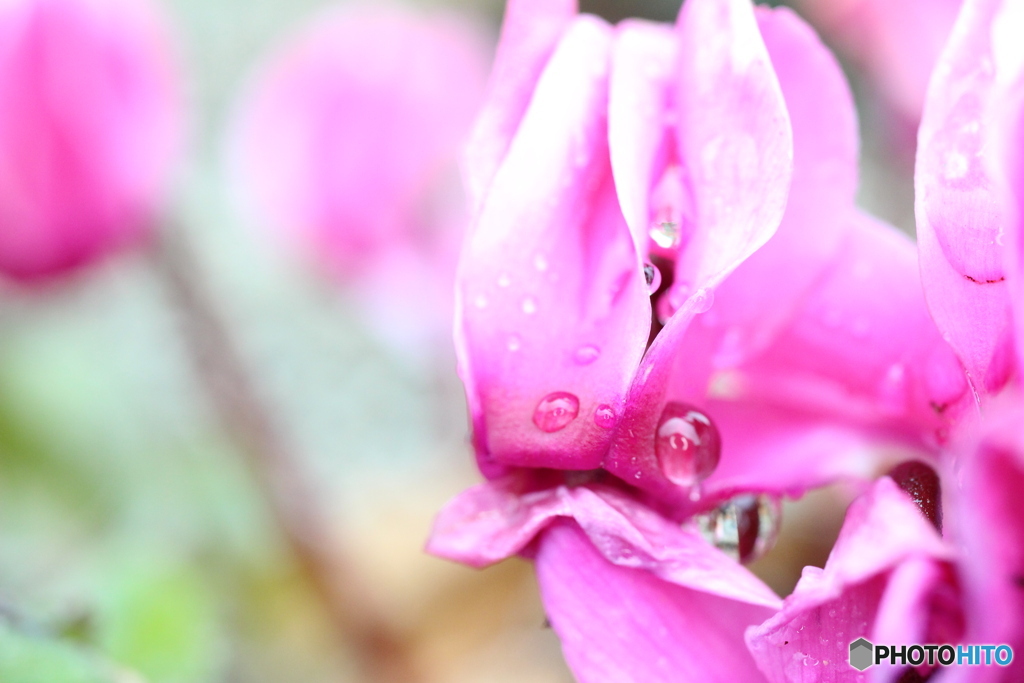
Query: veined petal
x=734, y=138
x=643, y=66
x=554, y=310
x=832, y=607
x=529, y=34
x=959, y=217
x=618, y=623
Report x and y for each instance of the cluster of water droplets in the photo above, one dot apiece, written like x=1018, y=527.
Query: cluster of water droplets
x=745, y=527
x=557, y=410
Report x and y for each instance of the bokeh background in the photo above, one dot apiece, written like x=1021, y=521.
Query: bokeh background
x=136, y=539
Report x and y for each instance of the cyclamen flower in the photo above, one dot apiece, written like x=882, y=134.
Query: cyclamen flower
x=907, y=588
x=604, y=160
x=345, y=147
x=90, y=129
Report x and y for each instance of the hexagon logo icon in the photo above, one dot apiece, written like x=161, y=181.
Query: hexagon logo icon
x=860, y=654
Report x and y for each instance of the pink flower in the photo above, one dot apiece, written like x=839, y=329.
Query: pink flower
x=345, y=146
x=718, y=157
x=89, y=130
x=969, y=196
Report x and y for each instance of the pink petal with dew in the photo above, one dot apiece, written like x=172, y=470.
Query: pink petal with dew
x=734, y=138
x=959, y=218
x=640, y=94
x=90, y=130
x=830, y=608
x=492, y=521
x=618, y=623
x=554, y=310
x=529, y=34
x=989, y=518
x=344, y=139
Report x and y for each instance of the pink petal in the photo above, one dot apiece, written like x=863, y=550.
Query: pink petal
x=493, y=521
x=554, y=309
x=959, y=218
x=90, y=130
x=734, y=138
x=640, y=93
x=832, y=607
x=529, y=34
x=622, y=624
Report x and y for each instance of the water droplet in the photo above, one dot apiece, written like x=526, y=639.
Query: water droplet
x=745, y=527
x=703, y=300
x=480, y=301
x=604, y=416
x=687, y=444
x=652, y=276
x=540, y=262
x=529, y=305
x=555, y=411
x=514, y=342
x=504, y=280
x=585, y=355
x=665, y=234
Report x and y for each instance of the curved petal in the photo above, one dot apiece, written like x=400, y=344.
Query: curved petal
x=554, y=310
x=734, y=138
x=640, y=92
x=959, y=218
x=883, y=531
x=529, y=34
x=493, y=521
x=622, y=624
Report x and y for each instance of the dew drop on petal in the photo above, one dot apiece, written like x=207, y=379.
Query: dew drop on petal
x=585, y=355
x=703, y=300
x=687, y=444
x=745, y=527
x=665, y=234
x=604, y=416
x=555, y=411
x=529, y=305
x=652, y=276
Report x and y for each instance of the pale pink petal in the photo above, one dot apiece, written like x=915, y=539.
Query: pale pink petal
x=496, y=520
x=959, y=218
x=90, y=130
x=640, y=100
x=554, y=309
x=832, y=607
x=529, y=34
x=734, y=138
x=622, y=624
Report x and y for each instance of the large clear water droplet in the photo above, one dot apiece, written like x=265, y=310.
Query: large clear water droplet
x=555, y=411
x=665, y=234
x=745, y=527
x=604, y=416
x=652, y=276
x=687, y=444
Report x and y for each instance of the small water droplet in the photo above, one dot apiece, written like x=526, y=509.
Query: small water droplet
x=555, y=411
x=745, y=527
x=652, y=276
x=585, y=355
x=529, y=305
x=540, y=262
x=703, y=300
x=604, y=416
x=514, y=342
x=665, y=234
x=504, y=280
x=687, y=444
x=480, y=301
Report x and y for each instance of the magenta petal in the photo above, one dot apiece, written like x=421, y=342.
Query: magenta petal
x=554, y=308
x=734, y=138
x=622, y=624
x=832, y=607
x=959, y=217
x=529, y=34
x=643, y=66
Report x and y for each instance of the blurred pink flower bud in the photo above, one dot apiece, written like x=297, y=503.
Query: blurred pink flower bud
x=345, y=146
x=89, y=130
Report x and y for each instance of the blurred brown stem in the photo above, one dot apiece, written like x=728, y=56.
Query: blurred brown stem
x=382, y=654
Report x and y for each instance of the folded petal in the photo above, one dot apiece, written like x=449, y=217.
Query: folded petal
x=734, y=138
x=830, y=608
x=554, y=308
x=529, y=34
x=618, y=623
x=959, y=216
